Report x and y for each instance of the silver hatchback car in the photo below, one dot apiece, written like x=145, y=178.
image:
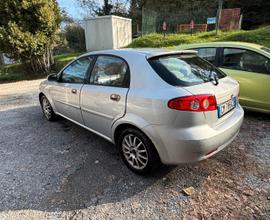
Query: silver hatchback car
x=155, y=105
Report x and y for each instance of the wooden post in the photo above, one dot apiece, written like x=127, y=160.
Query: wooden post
x=191, y=26
x=220, y=5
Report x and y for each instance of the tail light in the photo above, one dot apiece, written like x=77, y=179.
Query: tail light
x=195, y=103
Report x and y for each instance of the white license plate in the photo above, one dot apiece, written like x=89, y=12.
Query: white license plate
x=226, y=107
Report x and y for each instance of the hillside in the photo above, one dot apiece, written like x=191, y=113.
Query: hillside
x=259, y=36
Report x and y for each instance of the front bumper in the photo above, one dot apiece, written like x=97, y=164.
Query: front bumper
x=197, y=143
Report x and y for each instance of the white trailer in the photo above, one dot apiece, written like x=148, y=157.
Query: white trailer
x=107, y=32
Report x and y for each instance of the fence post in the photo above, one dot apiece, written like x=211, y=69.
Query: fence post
x=220, y=5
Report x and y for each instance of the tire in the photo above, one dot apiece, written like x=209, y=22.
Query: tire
x=140, y=156
x=47, y=109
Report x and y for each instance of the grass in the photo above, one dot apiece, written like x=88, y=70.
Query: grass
x=259, y=36
x=62, y=60
x=18, y=71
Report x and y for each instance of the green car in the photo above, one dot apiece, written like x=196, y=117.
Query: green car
x=248, y=63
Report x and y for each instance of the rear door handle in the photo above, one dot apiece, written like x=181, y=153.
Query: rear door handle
x=74, y=91
x=115, y=97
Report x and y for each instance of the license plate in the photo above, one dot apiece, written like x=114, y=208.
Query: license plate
x=226, y=107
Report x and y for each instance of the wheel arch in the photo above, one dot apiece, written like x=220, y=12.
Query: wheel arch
x=43, y=93
x=125, y=125
x=40, y=95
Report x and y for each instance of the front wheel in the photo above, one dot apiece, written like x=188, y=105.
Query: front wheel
x=137, y=151
x=47, y=109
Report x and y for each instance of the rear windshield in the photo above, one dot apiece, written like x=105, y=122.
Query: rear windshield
x=266, y=49
x=184, y=70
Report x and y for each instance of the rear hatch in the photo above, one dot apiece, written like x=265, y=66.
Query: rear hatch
x=200, y=78
x=226, y=93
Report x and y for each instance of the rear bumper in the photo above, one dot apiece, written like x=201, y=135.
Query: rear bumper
x=195, y=143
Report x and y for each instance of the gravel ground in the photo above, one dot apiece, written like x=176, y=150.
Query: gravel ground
x=61, y=171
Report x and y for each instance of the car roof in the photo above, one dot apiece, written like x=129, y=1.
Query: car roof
x=224, y=43
x=147, y=52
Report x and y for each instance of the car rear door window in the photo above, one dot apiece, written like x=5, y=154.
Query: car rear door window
x=110, y=71
x=245, y=60
x=76, y=71
x=208, y=53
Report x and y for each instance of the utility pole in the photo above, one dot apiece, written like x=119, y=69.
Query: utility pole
x=220, y=5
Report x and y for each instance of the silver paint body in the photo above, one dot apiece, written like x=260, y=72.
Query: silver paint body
x=179, y=136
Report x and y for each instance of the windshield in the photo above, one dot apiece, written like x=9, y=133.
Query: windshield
x=266, y=49
x=185, y=70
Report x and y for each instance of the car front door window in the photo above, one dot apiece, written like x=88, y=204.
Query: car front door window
x=245, y=60
x=75, y=72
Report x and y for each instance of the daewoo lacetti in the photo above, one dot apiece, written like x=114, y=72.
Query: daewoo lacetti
x=155, y=105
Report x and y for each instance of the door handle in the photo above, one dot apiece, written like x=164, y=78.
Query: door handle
x=115, y=97
x=74, y=91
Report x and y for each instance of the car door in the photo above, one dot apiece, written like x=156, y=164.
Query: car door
x=251, y=70
x=103, y=98
x=66, y=92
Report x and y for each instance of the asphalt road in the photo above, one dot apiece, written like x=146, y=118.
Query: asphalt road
x=61, y=171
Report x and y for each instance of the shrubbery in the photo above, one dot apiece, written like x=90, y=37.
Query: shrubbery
x=259, y=36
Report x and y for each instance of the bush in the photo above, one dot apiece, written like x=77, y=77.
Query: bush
x=259, y=36
x=75, y=37
x=20, y=71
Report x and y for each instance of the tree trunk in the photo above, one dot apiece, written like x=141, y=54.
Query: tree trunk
x=42, y=64
x=2, y=61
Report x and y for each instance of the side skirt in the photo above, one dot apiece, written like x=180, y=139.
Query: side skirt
x=89, y=129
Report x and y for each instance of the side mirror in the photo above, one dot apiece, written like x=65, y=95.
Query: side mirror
x=53, y=77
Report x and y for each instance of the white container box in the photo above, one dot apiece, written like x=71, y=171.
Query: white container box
x=107, y=32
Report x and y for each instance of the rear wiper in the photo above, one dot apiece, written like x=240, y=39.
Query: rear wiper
x=213, y=77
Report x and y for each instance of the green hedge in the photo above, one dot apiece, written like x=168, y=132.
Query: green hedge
x=259, y=36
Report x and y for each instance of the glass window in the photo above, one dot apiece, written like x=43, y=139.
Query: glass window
x=245, y=60
x=208, y=54
x=184, y=70
x=75, y=72
x=110, y=71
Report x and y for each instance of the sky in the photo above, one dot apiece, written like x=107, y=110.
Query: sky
x=72, y=7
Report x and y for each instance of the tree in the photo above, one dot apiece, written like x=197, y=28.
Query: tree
x=135, y=13
x=255, y=12
x=66, y=18
x=109, y=7
x=75, y=37
x=28, y=31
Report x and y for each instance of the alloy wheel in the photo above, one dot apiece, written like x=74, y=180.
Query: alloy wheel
x=135, y=151
x=47, y=109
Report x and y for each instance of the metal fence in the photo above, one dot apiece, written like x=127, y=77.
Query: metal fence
x=174, y=13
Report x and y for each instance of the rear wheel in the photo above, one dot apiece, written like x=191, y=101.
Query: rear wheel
x=137, y=151
x=47, y=109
